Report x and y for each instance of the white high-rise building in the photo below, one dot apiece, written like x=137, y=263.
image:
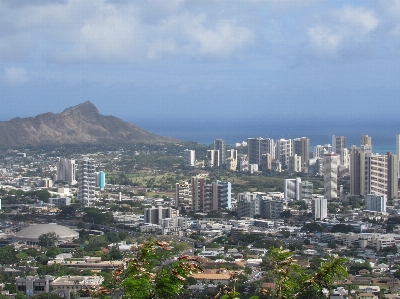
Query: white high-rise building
x=183, y=195
x=292, y=188
x=189, y=158
x=295, y=163
x=320, y=207
x=338, y=144
x=66, y=171
x=284, y=149
x=330, y=175
x=321, y=150
x=375, y=202
x=86, y=182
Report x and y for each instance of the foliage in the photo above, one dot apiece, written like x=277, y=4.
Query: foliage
x=8, y=255
x=52, y=252
x=45, y=296
x=342, y=228
x=140, y=280
x=312, y=227
x=48, y=240
x=293, y=282
x=56, y=270
x=356, y=267
x=97, y=216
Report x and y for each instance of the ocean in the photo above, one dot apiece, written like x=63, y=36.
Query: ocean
x=382, y=131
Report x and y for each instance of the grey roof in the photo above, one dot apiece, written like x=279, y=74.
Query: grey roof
x=35, y=230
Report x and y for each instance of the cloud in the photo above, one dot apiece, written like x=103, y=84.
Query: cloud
x=15, y=76
x=350, y=27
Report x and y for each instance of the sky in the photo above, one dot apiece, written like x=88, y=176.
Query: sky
x=192, y=61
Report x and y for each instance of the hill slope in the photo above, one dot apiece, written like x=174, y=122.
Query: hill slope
x=75, y=125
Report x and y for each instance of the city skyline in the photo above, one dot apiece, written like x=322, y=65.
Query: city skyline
x=140, y=61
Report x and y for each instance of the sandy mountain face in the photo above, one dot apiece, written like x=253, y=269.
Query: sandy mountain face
x=76, y=125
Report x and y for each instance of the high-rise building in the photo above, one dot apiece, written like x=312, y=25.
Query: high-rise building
x=220, y=145
x=86, y=182
x=292, y=188
x=295, y=163
x=197, y=183
x=338, y=144
x=249, y=204
x=231, y=159
x=217, y=196
x=330, y=175
x=183, y=196
x=189, y=158
x=320, y=207
x=257, y=147
x=375, y=202
x=302, y=149
x=100, y=179
x=66, y=169
x=321, y=150
x=307, y=189
x=366, y=143
x=284, y=149
x=213, y=158
x=373, y=173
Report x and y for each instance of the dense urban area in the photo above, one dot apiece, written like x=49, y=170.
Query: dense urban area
x=262, y=219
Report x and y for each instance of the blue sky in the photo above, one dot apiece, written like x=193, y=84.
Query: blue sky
x=160, y=61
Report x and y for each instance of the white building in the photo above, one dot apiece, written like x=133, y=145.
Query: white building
x=295, y=163
x=320, y=150
x=320, y=207
x=66, y=169
x=284, y=149
x=189, y=158
x=330, y=175
x=183, y=195
x=375, y=202
x=86, y=182
x=292, y=188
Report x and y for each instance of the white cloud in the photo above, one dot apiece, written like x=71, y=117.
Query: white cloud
x=15, y=76
x=351, y=27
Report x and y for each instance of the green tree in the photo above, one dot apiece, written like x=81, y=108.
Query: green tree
x=48, y=240
x=293, y=282
x=141, y=281
x=20, y=295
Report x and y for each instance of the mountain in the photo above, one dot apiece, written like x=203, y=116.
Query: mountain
x=75, y=125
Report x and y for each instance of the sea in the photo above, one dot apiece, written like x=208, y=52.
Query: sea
x=204, y=131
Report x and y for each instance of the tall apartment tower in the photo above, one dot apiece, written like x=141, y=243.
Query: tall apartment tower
x=213, y=158
x=302, y=149
x=231, y=159
x=366, y=143
x=375, y=202
x=183, y=196
x=86, y=182
x=257, y=147
x=220, y=145
x=292, y=188
x=189, y=158
x=284, y=149
x=320, y=207
x=100, y=179
x=295, y=164
x=338, y=144
x=197, y=183
x=373, y=173
x=330, y=175
x=66, y=171
x=217, y=196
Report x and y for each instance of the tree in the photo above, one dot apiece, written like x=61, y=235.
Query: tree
x=48, y=240
x=140, y=281
x=312, y=227
x=293, y=282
